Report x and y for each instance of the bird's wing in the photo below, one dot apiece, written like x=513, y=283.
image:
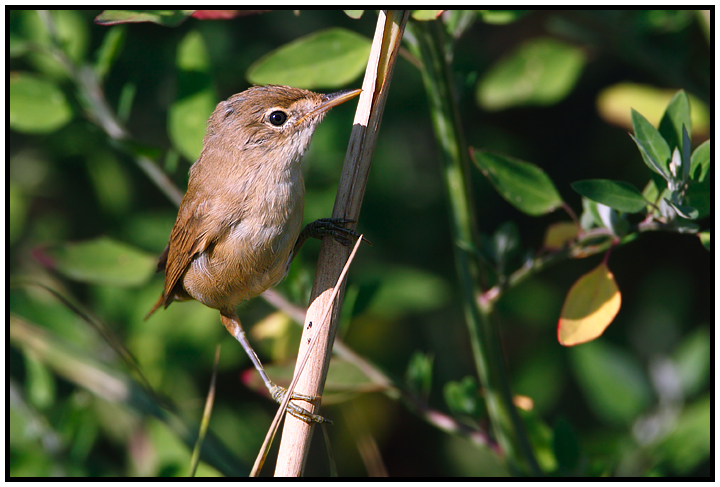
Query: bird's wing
x=193, y=233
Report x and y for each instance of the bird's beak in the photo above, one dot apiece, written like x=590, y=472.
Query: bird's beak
x=332, y=100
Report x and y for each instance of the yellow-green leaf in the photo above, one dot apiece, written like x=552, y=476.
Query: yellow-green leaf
x=560, y=234
x=614, y=104
x=705, y=240
x=590, y=306
x=426, y=14
x=37, y=105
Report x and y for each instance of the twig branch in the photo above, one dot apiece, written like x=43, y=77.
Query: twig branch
x=296, y=434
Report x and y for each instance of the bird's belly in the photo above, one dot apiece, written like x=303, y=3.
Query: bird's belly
x=252, y=257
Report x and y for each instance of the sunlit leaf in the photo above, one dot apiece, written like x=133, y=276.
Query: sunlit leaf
x=522, y=184
x=426, y=14
x=354, y=14
x=590, y=306
x=705, y=240
x=540, y=72
x=277, y=336
x=37, y=105
x=614, y=104
x=100, y=261
x=344, y=56
x=559, y=234
x=619, y=195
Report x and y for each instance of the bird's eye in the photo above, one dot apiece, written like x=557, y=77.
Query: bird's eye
x=278, y=118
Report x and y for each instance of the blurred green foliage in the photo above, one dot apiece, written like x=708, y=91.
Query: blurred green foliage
x=84, y=217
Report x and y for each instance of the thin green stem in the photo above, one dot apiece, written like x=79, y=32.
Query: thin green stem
x=426, y=43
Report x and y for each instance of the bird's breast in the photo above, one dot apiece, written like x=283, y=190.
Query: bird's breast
x=253, y=254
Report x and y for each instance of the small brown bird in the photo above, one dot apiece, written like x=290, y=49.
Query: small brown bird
x=238, y=227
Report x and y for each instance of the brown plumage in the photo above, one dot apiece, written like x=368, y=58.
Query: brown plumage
x=239, y=221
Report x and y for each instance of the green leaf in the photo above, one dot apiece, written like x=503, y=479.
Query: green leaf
x=541, y=72
x=612, y=381
x=196, y=99
x=168, y=18
x=684, y=211
x=37, y=105
x=462, y=397
x=700, y=159
x=426, y=14
x=522, y=184
x=344, y=56
x=676, y=115
x=72, y=35
x=653, y=147
x=501, y=17
x=187, y=123
x=100, y=261
x=354, y=14
x=705, y=240
x=685, y=155
x=419, y=374
x=650, y=193
x=619, y=195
